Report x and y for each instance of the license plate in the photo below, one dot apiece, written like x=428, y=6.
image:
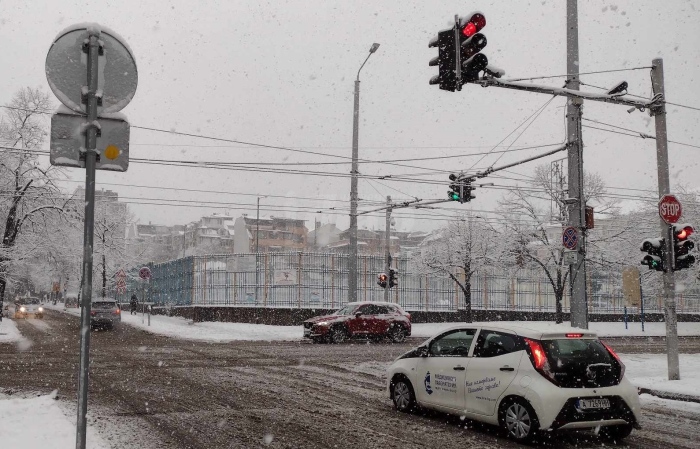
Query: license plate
x=307, y=332
x=593, y=404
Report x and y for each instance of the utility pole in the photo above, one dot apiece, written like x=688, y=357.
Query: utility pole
x=387, y=249
x=577, y=211
x=659, y=113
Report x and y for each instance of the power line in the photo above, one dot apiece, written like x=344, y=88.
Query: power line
x=578, y=74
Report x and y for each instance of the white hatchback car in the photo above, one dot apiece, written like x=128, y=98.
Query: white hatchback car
x=519, y=378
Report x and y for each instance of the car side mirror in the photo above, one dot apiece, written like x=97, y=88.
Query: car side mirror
x=358, y=314
x=422, y=351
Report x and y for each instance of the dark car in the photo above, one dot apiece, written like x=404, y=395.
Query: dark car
x=105, y=313
x=360, y=319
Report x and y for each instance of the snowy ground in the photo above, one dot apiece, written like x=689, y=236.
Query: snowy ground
x=651, y=371
x=222, y=332
x=39, y=423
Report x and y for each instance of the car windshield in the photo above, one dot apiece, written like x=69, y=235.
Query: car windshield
x=104, y=305
x=347, y=310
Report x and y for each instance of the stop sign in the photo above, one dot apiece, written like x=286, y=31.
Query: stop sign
x=670, y=209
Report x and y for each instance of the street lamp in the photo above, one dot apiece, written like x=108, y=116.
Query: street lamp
x=352, y=257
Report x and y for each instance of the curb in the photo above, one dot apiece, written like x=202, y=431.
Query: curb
x=668, y=395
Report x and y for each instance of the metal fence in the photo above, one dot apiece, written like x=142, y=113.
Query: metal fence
x=313, y=280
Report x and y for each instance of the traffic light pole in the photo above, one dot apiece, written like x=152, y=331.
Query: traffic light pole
x=659, y=113
x=577, y=210
x=387, y=249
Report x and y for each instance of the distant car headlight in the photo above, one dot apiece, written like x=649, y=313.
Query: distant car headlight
x=22, y=309
x=322, y=323
x=41, y=309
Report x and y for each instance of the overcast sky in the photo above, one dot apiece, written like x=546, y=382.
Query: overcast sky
x=281, y=74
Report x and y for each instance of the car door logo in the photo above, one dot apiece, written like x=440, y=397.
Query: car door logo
x=428, y=389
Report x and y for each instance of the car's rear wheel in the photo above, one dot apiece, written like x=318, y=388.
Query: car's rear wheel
x=518, y=419
x=338, y=335
x=397, y=334
x=616, y=433
x=403, y=396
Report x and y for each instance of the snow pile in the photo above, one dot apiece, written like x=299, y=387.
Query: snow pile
x=8, y=331
x=651, y=371
x=38, y=423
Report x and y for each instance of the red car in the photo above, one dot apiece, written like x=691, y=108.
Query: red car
x=360, y=319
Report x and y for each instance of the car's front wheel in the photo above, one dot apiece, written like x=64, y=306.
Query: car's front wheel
x=518, y=419
x=338, y=335
x=616, y=433
x=403, y=396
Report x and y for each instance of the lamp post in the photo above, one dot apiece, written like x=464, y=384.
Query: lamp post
x=352, y=257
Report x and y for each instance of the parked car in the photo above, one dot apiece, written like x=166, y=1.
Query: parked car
x=71, y=301
x=520, y=378
x=105, y=313
x=360, y=319
x=28, y=308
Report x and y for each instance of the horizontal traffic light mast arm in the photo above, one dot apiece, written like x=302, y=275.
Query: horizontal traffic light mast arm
x=656, y=102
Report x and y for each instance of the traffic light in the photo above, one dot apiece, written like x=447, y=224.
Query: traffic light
x=455, y=192
x=682, y=246
x=460, y=189
x=382, y=280
x=472, y=61
x=393, y=278
x=466, y=38
x=655, y=254
x=446, y=60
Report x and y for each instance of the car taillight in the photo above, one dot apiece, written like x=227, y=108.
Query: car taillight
x=617, y=357
x=117, y=312
x=574, y=335
x=539, y=360
x=409, y=317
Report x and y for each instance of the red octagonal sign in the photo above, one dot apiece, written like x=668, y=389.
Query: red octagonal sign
x=670, y=209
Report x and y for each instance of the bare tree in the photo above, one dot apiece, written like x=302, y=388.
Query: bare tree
x=535, y=236
x=458, y=251
x=29, y=199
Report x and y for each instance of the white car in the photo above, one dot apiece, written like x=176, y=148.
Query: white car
x=519, y=378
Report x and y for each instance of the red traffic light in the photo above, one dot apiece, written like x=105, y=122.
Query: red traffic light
x=382, y=277
x=684, y=233
x=475, y=24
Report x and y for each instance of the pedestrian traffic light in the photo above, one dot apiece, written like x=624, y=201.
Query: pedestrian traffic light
x=382, y=280
x=393, y=278
x=655, y=254
x=459, y=46
x=682, y=246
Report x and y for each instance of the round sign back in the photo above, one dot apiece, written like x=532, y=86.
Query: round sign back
x=145, y=273
x=66, y=69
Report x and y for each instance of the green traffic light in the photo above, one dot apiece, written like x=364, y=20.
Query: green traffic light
x=453, y=196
